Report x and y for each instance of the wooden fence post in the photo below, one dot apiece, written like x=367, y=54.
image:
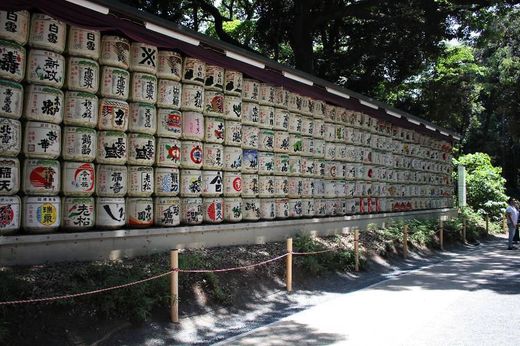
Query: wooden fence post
x=405, y=241
x=174, y=264
x=356, y=249
x=288, y=277
x=464, y=228
x=487, y=224
x=441, y=235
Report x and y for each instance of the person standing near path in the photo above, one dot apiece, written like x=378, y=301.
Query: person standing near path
x=512, y=219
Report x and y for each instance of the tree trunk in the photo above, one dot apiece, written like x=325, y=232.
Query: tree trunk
x=301, y=39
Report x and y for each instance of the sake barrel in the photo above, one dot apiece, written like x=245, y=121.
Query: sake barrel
x=168, y=152
x=42, y=140
x=330, y=113
x=319, y=148
x=232, y=159
x=331, y=169
x=213, y=210
x=80, y=109
x=84, y=42
x=308, y=167
x=266, y=140
x=212, y=183
x=193, y=126
x=169, y=94
x=281, y=119
x=232, y=109
x=330, y=207
x=214, y=130
x=140, y=181
x=115, y=83
x=139, y=212
x=320, y=168
x=330, y=132
x=78, y=213
x=306, y=105
x=295, y=123
x=10, y=214
x=250, y=137
x=214, y=78
x=112, y=147
x=233, y=82
x=308, y=146
x=340, y=133
x=249, y=161
x=213, y=156
x=266, y=117
x=43, y=67
x=169, y=65
x=250, y=209
x=294, y=103
x=169, y=123
x=295, y=165
x=194, y=71
x=11, y=98
x=281, y=164
x=233, y=133
x=111, y=181
x=319, y=188
x=110, y=212
x=191, y=183
x=282, y=208
x=232, y=182
x=281, y=186
x=330, y=151
x=82, y=74
x=250, y=113
x=250, y=90
x=9, y=177
x=249, y=185
x=295, y=187
x=307, y=187
x=341, y=188
x=265, y=186
x=113, y=115
x=141, y=149
x=266, y=96
x=295, y=208
x=267, y=208
x=167, y=211
x=320, y=207
x=142, y=118
x=281, y=142
x=191, y=211
x=143, y=58
x=341, y=152
x=307, y=126
x=213, y=103
x=41, y=214
x=143, y=87
x=318, y=129
x=44, y=103
x=115, y=51
x=307, y=207
x=47, y=33
x=233, y=209
x=280, y=97
x=310, y=111
x=192, y=154
x=265, y=163
x=15, y=26
x=166, y=181
x=78, y=178
x=295, y=144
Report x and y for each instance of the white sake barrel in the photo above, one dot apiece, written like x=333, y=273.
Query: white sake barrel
x=111, y=181
x=115, y=51
x=143, y=87
x=330, y=113
x=340, y=133
x=213, y=210
x=168, y=152
x=140, y=181
x=295, y=187
x=281, y=164
x=306, y=105
x=281, y=119
x=233, y=209
x=232, y=159
x=295, y=123
x=84, y=42
x=250, y=137
x=307, y=187
x=292, y=102
x=42, y=140
x=266, y=96
x=249, y=161
x=319, y=188
x=82, y=75
x=212, y=184
x=191, y=211
x=266, y=140
x=192, y=126
x=341, y=189
x=265, y=186
x=308, y=166
x=143, y=58
x=341, y=152
x=80, y=109
x=12, y=60
x=265, y=163
x=167, y=211
x=295, y=208
x=307, y=126
x=15, y=26
x=350, y=206
x=191, y=183
x=280, y=97
x=213, y=156
x=266, y=117
x=214, y=78
x=52, y=65
x=233, y=133
x=281, y=142
x=307, y=207
x=113, y=115
x=10, y=214
x=250, y=113
x=232, y=107
x=41, y=214
x=249, y=185
x=213, y=103
x=310, y=111
x=169, y=123
x=78, y=179
x=319, y=109
x=295, y=165
x=281, y=186
x=115, y=83
x=267, y=209
x=320, y=207
x=308, y=146
x=282, y=208
x=250, y=90
x=194, y=71
x=47, y=33
x=169, y=94
x=232, y=184
x=250, y=209
x=78, y=213
x=319, y=148
x=318, y=129
x=11, y=98
x=141, y=149
x=331, y=169
x=330, y=151
x=110, y=212
x=139, y=212
x=166, y=181
x=214, y=130
x=112, y=147
x=10, y=137
x=43, y=103
x=330, y=132
x=330, y=207
x=192, y=154
x=295, y=144
x=142, y=118
x=233, y=82
x=9, y=177
x=169, y=65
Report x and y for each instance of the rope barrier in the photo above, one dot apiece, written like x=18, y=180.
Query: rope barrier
x=232, y=269
x=311, y=253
